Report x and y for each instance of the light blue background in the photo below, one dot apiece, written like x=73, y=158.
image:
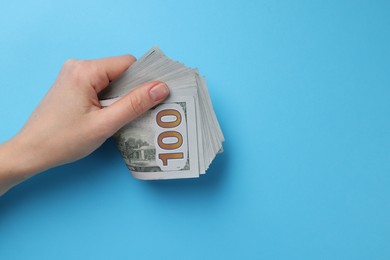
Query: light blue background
x=302, y=92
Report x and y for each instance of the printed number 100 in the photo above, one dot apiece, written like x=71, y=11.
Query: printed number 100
x=169, y=139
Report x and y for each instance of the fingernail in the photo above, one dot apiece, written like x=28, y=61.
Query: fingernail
x=159, y=92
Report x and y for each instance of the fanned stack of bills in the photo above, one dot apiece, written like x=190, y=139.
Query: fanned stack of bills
x=178, y=138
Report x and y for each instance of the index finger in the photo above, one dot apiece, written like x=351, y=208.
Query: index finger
x=108, y=69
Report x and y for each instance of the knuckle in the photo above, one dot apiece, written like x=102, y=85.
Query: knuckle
x=136, y=104
x=81, y=65
x=69, y=63
x=77, y=70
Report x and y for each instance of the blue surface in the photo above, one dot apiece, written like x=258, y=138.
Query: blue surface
x=302, y=92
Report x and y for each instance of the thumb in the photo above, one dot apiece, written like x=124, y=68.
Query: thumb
x=134, y=104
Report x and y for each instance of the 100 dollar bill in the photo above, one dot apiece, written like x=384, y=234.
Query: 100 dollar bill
x=162, y=143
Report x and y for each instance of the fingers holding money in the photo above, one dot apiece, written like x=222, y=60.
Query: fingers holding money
x=132, y=105
x=108, y=69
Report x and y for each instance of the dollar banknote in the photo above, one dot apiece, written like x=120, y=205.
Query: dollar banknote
x=178, y=138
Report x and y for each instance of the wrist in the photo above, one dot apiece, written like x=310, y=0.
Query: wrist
x=18, y=162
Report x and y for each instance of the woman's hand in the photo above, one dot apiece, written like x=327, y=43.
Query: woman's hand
x=69, y=123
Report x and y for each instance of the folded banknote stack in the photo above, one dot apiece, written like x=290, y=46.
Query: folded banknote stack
x=178, y=138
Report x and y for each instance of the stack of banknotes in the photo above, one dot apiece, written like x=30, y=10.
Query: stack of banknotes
x=178, y=138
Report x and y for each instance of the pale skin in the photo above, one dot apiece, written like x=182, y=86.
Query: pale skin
x=69, y=123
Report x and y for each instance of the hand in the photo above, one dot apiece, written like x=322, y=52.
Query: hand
x=69, y=123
